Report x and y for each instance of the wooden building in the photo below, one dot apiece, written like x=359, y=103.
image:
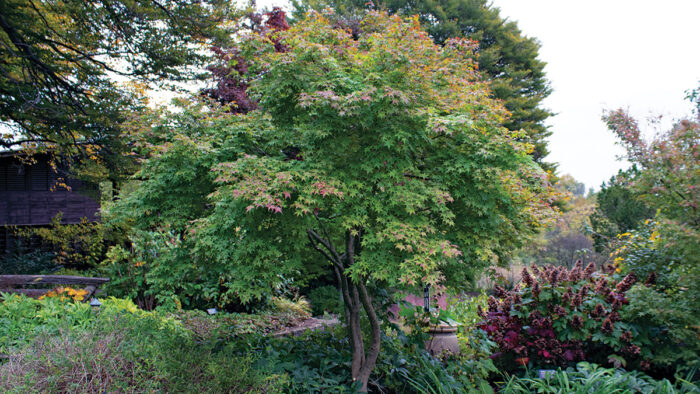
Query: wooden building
x=29, y=196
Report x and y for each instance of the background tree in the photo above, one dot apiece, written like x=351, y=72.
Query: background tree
x=505, y=56
x=566, y=183
x=666, y=249
x=230, y=73
x=669, y=171
x=61, y=62
x=568, y=238
x=618, y=209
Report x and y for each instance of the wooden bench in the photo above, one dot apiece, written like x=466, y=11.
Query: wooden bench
x=17, y=283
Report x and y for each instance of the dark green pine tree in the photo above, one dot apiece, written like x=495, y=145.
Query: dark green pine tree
x=506, y=56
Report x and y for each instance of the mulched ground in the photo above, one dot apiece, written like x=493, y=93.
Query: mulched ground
x=312, y=324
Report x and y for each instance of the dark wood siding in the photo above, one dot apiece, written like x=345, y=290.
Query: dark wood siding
x=26, y=197
x=16, y=177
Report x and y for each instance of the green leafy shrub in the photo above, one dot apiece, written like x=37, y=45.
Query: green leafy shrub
x=668, y=251
x=637, y=251
x=670, y=323
x=158, y=271
x=325, y=299
x=128, y=277
x=665, y=309
x=593, y=379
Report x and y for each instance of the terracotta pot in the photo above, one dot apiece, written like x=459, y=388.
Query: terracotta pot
x=443, y=338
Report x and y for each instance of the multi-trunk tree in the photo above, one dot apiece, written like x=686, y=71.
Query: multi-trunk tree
x=386, y=154
x=377, y=150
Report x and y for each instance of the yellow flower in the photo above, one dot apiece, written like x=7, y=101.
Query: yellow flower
x=654, y=235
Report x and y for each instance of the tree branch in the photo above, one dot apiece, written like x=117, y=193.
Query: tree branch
x=327, y=242
x=315, y=239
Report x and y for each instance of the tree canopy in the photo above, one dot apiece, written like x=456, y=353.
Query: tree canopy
x=668, y=166
x=71, y=71
x=505, y=56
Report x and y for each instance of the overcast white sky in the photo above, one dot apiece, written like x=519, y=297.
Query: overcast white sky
x=606, y=54
x=641, y=55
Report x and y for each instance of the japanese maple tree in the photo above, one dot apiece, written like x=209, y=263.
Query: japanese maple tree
x=384, y=153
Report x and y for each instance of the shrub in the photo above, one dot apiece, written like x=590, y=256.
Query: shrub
x=80, y=245
x=637, y=251
x=62, y=346
x=559, y=316
x=128, y=277
x=669, y=321
x=161, y=270
x=667, y=257
x=325, y=299
x=156, y=271
x=30, y=263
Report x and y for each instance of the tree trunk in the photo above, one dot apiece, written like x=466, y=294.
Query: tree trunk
x=355, y=299
x=375, y=338
x=363, y=362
